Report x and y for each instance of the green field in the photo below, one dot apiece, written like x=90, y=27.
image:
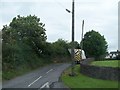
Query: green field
x=108, y=63
x=82, y=81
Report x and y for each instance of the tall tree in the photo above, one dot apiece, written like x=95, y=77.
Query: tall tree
x=76, y=45
x=29, y=30
x=94, y=44
x=60, y=48
x=24, y=35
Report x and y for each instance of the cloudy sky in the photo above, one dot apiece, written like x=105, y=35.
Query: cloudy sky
x=99, y=15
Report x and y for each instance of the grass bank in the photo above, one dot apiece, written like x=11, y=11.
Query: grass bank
x=23, y=69
x=82, y=81
x=27, y=67
x=107, y=63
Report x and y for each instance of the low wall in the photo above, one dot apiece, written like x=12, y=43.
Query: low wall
x=105, y=73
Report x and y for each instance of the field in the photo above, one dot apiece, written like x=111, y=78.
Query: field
x=108, y=63
x=82, y=81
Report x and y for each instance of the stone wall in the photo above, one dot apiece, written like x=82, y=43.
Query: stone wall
x=105, y=73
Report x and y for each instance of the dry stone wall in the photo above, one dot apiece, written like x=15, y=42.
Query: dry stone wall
x=99, y=72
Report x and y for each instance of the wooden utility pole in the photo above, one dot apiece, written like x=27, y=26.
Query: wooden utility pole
x=73, y=47
x=82, y=38
x=72, y=51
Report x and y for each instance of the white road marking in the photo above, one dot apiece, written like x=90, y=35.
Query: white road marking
x=46, y=85
x=49, y=71
x=34, y=81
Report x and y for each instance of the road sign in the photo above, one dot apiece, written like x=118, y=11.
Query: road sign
x=78, y=55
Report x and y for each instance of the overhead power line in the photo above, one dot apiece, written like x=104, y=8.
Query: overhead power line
x=60, y=4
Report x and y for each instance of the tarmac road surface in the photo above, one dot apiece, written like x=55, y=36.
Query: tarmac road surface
x=40, y=78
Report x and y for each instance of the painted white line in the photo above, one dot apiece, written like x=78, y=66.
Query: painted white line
x=34, y=81
x=46, y=85
x=49, y=71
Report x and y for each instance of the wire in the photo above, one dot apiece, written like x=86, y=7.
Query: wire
x=60, y=4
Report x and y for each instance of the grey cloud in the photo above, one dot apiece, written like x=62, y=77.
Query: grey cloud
x=99, y=15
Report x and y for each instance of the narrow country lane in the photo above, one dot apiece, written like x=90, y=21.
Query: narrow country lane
x=39, y=78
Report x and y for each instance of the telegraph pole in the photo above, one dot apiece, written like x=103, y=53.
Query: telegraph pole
x=72, y=50
x=82, y=38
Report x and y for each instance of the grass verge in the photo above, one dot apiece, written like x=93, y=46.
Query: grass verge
x=24, y=69
x=82, y=81
x=108, y=63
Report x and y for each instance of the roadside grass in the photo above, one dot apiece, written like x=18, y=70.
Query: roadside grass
x=14, y=73
x=82, y=81
x=108, y=63
x=24, y=69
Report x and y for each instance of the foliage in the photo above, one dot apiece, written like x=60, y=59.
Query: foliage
x=29, y=30
x=118, y=56
x=60, y=47
x=23, y=42
x=24, y=45
x=94, y=44
x=76, y=45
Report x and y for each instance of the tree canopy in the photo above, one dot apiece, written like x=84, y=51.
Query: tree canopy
x=94, y=44
x=76, y=45
x=23, y=37
x=27, y=30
